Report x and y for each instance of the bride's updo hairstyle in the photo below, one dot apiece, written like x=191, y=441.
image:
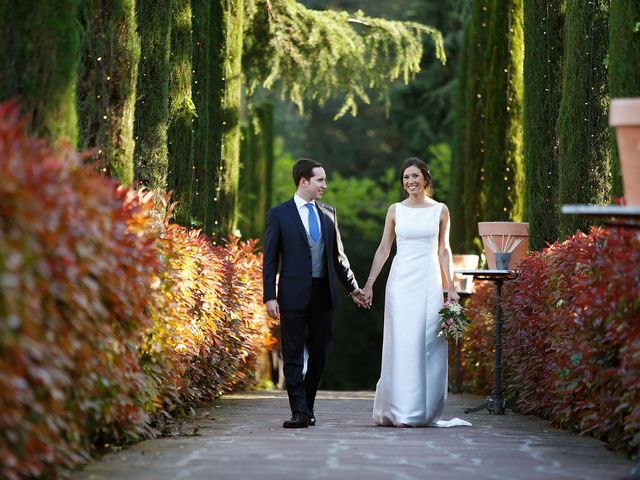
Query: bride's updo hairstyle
x=416, y=162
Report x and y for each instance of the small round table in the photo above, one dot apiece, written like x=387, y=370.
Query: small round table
x=624, y=216
x=494, y=403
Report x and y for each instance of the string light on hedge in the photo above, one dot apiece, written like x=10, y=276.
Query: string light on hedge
x=224, y=109
x=548, y=77
x=479, y=99
x=590, y=37
x=508, y=93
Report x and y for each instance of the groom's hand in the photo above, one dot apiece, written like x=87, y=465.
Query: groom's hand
x=273, y=309
x=358, y=297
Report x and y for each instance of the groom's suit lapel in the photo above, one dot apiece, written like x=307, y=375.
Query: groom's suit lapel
x=295, y=216
x=325, y=216
x=323, y=220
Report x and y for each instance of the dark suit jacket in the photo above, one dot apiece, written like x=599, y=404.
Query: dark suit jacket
x=286, y=245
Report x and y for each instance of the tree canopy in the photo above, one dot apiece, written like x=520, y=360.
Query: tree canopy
x=316, y=55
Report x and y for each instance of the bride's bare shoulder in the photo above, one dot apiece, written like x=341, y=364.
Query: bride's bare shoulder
x=444, y=212
x=391, y=212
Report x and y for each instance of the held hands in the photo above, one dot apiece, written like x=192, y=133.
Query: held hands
x=363, y=297
x=358, y=298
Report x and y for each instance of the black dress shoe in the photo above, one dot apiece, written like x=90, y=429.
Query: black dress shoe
x=298, y=420
x=312, y=419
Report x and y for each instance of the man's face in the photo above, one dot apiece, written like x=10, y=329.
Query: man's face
x=315, y=186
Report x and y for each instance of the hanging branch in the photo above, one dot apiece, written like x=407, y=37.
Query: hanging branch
x=316, y=55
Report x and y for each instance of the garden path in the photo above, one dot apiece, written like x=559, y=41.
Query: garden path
x=240, y=437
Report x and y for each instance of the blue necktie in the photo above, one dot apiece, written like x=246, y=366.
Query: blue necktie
x=314, y=229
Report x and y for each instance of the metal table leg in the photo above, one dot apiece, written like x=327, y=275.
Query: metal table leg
x=495, y=403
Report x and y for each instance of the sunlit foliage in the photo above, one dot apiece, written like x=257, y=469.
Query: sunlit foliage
x=310, y=54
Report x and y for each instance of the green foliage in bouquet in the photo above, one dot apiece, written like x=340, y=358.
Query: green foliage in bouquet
x=453, y=321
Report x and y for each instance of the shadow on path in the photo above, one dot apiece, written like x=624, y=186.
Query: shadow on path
x=242, y=438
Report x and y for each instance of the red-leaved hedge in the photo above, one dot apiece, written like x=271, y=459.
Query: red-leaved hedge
x=571, y=336
x=110, y=317
x=208, y=319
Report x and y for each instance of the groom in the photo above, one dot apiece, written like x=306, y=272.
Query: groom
x=302, y=238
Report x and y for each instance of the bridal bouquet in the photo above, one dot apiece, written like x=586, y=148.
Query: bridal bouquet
x=453, y=321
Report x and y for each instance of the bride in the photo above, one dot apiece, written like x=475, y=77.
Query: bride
x=412, y=390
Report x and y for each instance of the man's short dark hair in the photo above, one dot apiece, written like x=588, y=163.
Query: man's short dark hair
x=303, y=168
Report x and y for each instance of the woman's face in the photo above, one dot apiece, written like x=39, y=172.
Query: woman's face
x=413, y=180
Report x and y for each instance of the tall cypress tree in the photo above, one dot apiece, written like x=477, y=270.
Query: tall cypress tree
x=182, y=112
x=246, y=190
x=215, y=99
x=201, y=78
x=39, y=51
x=456, y=202
x=222, y=175
x=475, y=114
x=152, y=106
x=256, y=158
x=542, y=80
x=503, y=166
x=583, y=133
x=265, y=113
x=107, y=83
x=624, y=64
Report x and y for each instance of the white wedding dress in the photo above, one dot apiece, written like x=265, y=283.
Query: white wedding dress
x=412, y=390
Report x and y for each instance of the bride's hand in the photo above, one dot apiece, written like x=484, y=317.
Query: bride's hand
x=367, y=296
x=452, y=296
x=358, y=297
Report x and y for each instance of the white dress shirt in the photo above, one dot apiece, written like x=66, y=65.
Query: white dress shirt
x=303, y=211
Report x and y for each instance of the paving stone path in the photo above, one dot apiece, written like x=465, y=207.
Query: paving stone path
x=240, y=437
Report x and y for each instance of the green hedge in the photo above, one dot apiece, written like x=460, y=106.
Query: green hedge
x=472, y=133
x=542, y=68
x=182, y=112
x=584, y=167
x=109, y=56
x=151, y=160
x=503, y=186
x=624, y=64
x=39, y=48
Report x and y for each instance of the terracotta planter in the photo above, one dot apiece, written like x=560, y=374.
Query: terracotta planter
x=624, y=115
x=463, y=283
x=499, y=233
x=465, y=262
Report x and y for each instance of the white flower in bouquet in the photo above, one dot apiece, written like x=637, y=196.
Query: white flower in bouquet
x=455, y=308
x=453, y=321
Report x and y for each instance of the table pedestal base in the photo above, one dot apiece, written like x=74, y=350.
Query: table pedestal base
x=491, y=405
